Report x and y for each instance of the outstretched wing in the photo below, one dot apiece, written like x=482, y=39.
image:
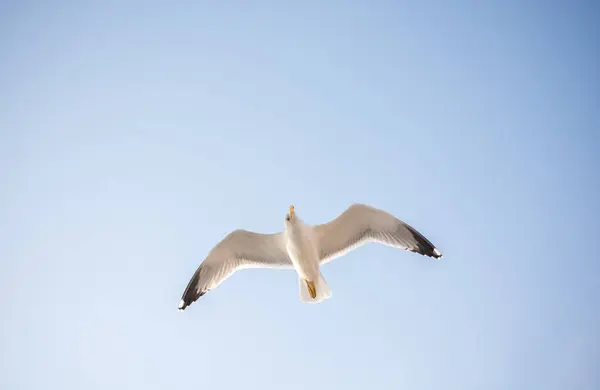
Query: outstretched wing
x=360, y=224
x=239, y=249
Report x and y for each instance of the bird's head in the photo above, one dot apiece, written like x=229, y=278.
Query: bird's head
x=290, y=217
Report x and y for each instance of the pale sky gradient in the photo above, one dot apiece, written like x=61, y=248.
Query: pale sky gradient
x=136, y=135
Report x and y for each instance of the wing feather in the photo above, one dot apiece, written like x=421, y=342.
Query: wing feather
x=238, y=250
x=361, y=224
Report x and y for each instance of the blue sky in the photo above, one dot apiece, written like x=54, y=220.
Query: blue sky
x=135, y=136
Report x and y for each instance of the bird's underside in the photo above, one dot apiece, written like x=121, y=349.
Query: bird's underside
x=356, y=226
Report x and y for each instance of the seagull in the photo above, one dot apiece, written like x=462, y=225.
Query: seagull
x=305, y=248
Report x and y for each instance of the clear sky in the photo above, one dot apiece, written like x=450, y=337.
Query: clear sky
x=136, y=135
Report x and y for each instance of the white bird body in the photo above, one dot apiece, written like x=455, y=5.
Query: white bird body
x=302, y=248
x=305, y=248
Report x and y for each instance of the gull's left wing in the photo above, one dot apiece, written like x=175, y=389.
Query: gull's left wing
x=361, y=224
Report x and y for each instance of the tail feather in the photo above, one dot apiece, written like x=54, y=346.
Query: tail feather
x=322, y=290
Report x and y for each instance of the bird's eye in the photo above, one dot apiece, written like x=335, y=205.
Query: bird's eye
x=287, y=217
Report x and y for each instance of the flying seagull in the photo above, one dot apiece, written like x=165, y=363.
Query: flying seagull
x=305, y=248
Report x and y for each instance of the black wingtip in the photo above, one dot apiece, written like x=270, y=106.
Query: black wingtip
x=192, y=291
x=424, y=246
x=188, y=298
x=182, y=304
x=434, y=253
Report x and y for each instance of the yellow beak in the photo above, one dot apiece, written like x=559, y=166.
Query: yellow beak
x=291, y=211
